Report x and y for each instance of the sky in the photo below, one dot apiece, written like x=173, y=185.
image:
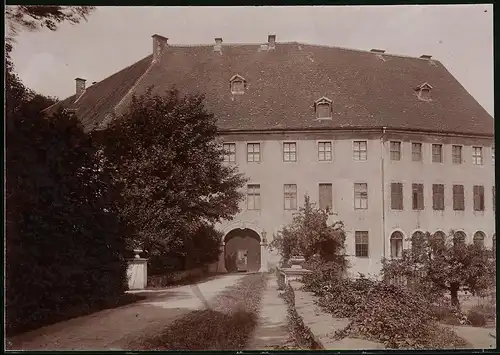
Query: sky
x=460, y=36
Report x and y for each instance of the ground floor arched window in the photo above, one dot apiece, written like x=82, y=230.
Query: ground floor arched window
x=396, y=244
x=478, y=238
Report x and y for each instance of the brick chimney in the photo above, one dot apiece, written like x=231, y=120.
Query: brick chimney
x=80, y=87
x=218, y=45
x=271, y=41
x=426, y=56
x=159, y=43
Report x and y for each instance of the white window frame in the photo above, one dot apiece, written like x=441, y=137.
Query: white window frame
x=360, y=201
x=253, y=152
x=318, y=144
x=368, y=244
x=254, y=194
x=357, y=154
x=231, y=153
x=291, y=198
x=477, y=159
x=289, y=152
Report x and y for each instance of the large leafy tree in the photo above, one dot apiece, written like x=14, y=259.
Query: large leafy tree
x=446, y=263
x=64, y=245
x=169, y=166
x=310, y=235
x=36, y=17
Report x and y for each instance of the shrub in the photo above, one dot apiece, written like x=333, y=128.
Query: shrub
x=476, y=318
x=392, y=315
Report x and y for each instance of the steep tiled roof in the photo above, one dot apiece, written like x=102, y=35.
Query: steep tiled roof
x=283, y=84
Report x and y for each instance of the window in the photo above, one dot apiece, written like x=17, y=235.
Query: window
x=361, y=239
x=237, y=87
x=238, y=84
x=416, y=151
x=360, y=150
x=456, y=154
x=395, y=150
x=418, y=196
x=360, y=196
x=477, y=155
x=438, y=197
x=424, y=92
x=229, y=152
x=396, y=196
x=325, y=151
x=289, y=152
x=478, y=198
x=437, y=153
x=323, y=108
x=290, y=197
x=478, y=238
x=439, y=236
x=493, y=155
x=325, y=196
x=253, y=152
x=253, y=197
x=458, y=198
x=459, y=238
x=396, y=245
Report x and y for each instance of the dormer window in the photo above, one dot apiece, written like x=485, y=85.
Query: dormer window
x=323, y=108
x=238, y=84
x=424, y=92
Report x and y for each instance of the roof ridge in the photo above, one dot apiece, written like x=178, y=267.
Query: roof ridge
x=360, y=50
x=302, y=44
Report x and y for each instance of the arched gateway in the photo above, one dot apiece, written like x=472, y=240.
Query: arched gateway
x=242, y=249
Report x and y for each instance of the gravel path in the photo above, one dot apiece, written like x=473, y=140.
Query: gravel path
x=227, y=325
x=272, y=331
x=114, y=329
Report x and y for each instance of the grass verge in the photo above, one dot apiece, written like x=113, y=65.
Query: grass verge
x=301, y=336
x=228, y=325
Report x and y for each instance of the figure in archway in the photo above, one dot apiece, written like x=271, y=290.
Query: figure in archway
x=242, y=250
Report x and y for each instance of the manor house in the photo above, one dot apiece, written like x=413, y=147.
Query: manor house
x=394, y=145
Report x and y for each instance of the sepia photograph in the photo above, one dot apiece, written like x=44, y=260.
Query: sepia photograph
x=249, y=178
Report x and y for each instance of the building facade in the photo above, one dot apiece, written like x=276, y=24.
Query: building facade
x=393, y=145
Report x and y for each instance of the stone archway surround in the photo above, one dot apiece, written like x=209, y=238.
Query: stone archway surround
x=242, y=225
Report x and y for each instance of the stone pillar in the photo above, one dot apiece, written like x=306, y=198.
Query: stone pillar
x=137, y=273
x=221, y=266
x=263, y=257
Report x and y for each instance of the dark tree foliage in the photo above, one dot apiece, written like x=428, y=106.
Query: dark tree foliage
x=447, y=264
x=169, y=167
x=35, y=17
x=64, y=245
x=204, y=249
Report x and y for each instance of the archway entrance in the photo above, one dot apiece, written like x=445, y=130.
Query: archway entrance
x=242, y=250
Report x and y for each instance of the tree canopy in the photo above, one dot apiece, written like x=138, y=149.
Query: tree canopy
x=36, y=17
x=169, y=165
x=309, y=234
x=445, y=262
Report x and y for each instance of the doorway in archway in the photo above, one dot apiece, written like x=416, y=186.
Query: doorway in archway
x=242, y=250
